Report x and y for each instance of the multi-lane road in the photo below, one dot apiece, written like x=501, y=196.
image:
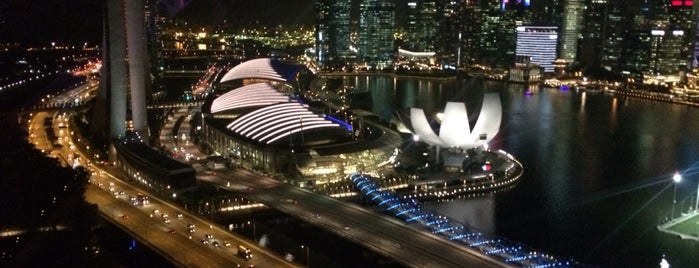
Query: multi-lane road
x=383, y=234
x=171, y=239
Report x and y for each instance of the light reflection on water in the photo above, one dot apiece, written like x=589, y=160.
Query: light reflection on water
x=584, y=156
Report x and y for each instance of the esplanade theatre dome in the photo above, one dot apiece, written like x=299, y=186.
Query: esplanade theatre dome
x=260, y=117
x=266, y=111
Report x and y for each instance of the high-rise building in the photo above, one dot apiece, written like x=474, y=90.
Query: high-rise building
x=592, y=33
x=376, y=28
x=495, y=30
x=661, y=41
x=450, y=35
x=421, y=25
x=613, y=38
x=538, y=45
x=570, y=30
x=332, y=31
x=682, y=23
x=123, y=90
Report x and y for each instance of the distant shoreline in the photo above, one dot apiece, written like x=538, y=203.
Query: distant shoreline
x=411, y=75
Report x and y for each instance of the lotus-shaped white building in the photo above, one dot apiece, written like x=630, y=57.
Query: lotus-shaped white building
x=455, y=131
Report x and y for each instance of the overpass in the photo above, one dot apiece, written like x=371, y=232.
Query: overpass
x=380, y=233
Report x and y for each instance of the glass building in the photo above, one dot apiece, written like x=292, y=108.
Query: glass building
x=332, y=31
x=376, y=27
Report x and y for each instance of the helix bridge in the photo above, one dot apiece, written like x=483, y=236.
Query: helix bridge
x=409, y=210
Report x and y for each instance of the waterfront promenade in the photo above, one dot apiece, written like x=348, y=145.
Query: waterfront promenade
x=685, y=226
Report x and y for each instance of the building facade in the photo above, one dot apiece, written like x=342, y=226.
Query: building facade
x=332, y=31
x=376, y=27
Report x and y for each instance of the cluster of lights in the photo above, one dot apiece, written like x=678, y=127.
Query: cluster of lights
x=241, y=207
x=483, y=186
x=410, y=211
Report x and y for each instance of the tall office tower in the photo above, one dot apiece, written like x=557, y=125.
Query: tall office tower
x=496, y=36
x=592, y=33
x=470, y=32
x=613, y=38
x=376, y=27
x=572, y=22
x=538, y=45
x=636, y=46
x=449, y=33
x=660, y=41
x=681, y=22
x=421, y=25
x=332, y=31
x=547, y=12
x=123, y=69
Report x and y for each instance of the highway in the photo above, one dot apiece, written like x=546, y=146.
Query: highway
x=172, y=239
x=380, y=233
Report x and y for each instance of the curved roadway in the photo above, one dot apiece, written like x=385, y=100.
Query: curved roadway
x=383, y=234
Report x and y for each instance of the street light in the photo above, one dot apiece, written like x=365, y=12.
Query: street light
x=308, y=261
x=676, y=178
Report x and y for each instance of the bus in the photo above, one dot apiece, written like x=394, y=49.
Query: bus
x=244, y=252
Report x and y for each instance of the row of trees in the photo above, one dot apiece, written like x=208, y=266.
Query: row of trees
x=45, y=201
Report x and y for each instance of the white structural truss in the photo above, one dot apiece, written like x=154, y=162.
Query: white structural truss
x=257, y=68
x=260, y=94
x=455, y=130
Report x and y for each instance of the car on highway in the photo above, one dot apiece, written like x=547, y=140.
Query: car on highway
x=125, y=217
x=244, y=252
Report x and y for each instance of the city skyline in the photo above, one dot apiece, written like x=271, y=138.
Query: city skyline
x=318, y=130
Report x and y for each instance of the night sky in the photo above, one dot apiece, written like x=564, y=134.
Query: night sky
x=39, y=22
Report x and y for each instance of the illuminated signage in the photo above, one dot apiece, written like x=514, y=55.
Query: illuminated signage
x=679, y=3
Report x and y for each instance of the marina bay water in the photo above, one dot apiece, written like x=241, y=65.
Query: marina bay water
x=597, y=168
x=596, y=183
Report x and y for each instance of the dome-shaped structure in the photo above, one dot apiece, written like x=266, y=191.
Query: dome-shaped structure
x=266, y=115
x=264, y=68
x=455, y=130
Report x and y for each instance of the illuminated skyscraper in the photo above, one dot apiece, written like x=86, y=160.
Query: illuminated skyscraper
x=593, y=32
x=572, y=23
x=538, y=43
x=332, y=30
x=376, y=28
x=421, y=25
x=450, y=33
